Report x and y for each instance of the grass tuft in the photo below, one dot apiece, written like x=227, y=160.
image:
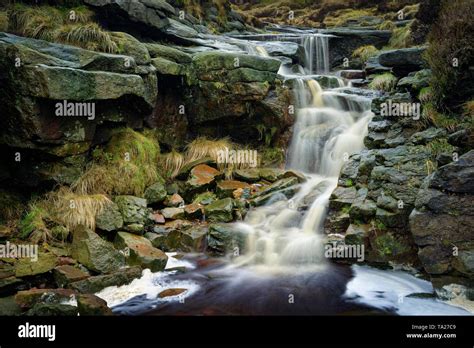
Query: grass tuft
x=365, y=52
x=384, y=82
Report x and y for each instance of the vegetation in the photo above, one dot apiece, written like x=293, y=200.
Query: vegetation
x=127, y=165
x=365, y=52
x=451, y=54
x=401, y=37
x=384, y=82
x=71, y=26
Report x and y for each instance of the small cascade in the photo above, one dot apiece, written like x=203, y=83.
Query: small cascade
x=316, y=48
x=316, y=92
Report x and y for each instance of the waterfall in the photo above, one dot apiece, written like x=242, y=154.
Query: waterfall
x=330, y=126
x=316, y=48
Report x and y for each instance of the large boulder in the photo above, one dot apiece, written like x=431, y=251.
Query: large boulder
x=96, y=283
x=94, y=252
x=443, y=220
x=141, y=252
x=220, y=211
x=39, y=77
x=224, y=238
x=133, y=209
x=403, y=60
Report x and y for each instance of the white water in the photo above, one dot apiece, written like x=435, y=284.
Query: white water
x=329, y=128
x=330, y=125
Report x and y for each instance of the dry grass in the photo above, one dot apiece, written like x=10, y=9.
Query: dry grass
x=172, y=162
x=72, y=210
x=365, y=52
x=72, y=26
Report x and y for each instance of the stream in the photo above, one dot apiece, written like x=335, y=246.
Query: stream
x=284, y=270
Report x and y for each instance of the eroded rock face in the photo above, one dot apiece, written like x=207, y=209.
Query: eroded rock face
x=443, y=220
x=39, y=81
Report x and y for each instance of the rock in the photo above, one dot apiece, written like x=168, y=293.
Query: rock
x=171, y=292
x=357, y=234
x=173, y=213
x=8, y=307
x=193, y=211
x=66, y=274
x=457, y=177
x=94, y=252
x=363, y=211
x=201, y=178
x=352, y=74
x=342, y=197
x=186, y=169
x=135, y=228
x=110, y=218
x=174, y=200
x=247, y=175
x=9, y=285
x=28, y=267
x=415, y=81
x=271, y=174
x=225, y=188
x=205, y=198
x=224, y=238
x=156, y=193
x=219, y=211
x=52, y=309
x=88, y=304
x=28, y=298
x=142, y=252
x=278, y=186
x=427, y=135
x=169, y=53
x=403, y=60
x=133, y=209
x=129, y=46
x=95, y=284
x=157, y=218
x=168, y=67
x=186, y=239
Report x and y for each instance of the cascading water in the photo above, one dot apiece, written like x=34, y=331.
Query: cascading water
x=329, y=127
x=316, y=48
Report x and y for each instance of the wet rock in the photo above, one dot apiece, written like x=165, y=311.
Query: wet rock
x=205, y=198
x=96, y=283
x=28, y=267
x=174, y=200
x=131, y=47
x=28, y=298
x=168, y=67
x=193, y=211
x=220, y=210
x=94, y=252
x=357, y=234
x=8, y=306
x=457, y=177
x=109, y=219
x=173, y=213
x=52, y=310
x=427, y=135
x=186, y=239
x=226, y=188
x=168, y=52
x=224, y=238
x=66, y=274
x=271, y=174
x=157, y=218
x=403, y=60
x=135, y=228
x=171, y=292
x=141, y=252
x=353, y=74
x=88, y=304
x=247, y=175
x=9, y=285
x=156, y=193
x=363, y=210
x=201, y=178
x=415, y=81
x=133, y=209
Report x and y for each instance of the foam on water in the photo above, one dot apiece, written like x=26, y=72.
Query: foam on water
x=389, y=290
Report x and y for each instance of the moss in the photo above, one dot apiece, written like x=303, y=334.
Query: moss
x=388, y=245
x=3, y=21
x=387, y=25
x=127, y=165
x=439, y=146
x=432, y=116
x=384, y=82
x=33, y=221
x=271, y=156
x=426, y=94
x=341, y=17
x=349, y=183
x=365, y=52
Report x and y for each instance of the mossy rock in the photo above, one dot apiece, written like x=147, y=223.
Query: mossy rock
x=27, y=267
x=220, y=211
x=155, y=193
x=133, y=209
x=110, y=218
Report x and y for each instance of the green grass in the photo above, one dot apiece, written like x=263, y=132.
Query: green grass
x=383, y=82
x=401, y=37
